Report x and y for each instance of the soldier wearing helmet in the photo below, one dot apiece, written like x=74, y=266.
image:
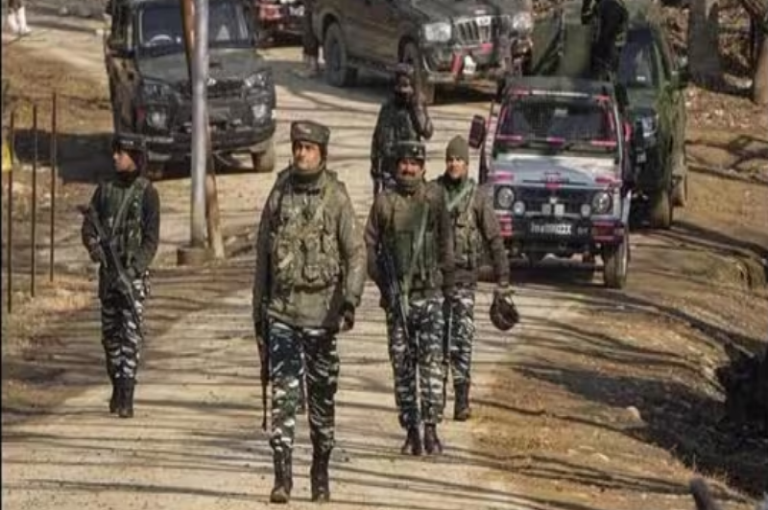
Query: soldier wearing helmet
x=309, y=277
x=410, y=257
x=404, y=117
x=475, y=227
x=128, y=208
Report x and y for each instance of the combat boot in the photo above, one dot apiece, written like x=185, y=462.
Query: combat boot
x=432, y=444
x=412, y=443
x=281, y=492
x=125, y=404
x=114, y=401
x=461, y=410
x=318, y=476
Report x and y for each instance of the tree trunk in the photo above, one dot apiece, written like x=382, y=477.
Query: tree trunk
x=760, y=81
x=704, y=43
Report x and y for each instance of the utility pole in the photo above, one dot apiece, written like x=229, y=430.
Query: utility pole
x=205, y=209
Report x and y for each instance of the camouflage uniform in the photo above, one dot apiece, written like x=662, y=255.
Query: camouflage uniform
x=310, y=272
x=475, y=226
x=611, y=21
x=128, y=207
x=402, y=118
x=401, y=219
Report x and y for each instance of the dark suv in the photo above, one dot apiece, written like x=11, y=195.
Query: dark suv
x=447, y=41
x=654, y=79
x=149, y=81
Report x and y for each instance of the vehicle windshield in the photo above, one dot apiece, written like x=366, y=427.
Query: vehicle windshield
x=560, y=125
x=161, y=30
x=638, y=67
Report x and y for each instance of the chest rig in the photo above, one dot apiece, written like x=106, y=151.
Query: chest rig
x=305, y=253
x=466, y=235
x=121, y=213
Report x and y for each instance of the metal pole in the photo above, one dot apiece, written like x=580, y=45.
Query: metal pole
x=9, y=246
x=54, y=171
x=34, y=200
x=199, y=121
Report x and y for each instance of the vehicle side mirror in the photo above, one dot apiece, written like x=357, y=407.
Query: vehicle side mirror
x=477, y=132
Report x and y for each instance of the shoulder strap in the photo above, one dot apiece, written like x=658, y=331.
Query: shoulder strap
x=469, y=188
x=418, y=245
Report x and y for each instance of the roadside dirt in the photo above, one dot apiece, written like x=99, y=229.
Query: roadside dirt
x=599, y=400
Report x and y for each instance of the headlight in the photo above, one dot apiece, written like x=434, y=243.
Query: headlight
x=436, y=32
x=155, y=89
x=650, y=126
x=261, y=112
x=257, y=80
x=157, y=118
x=522, y=22
x=505, y=197
x=601, y=202
x=519, y=208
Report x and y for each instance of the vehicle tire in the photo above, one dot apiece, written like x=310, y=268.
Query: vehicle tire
x=411, y=55
x=661, y=211
x=337, y=70
x=616, y=264
x=264, y=162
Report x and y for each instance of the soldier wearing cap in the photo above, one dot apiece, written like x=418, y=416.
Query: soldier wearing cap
x=475, y=228
x=404, y=117
x=128, y=208
x=310, y=272
x=410, y=257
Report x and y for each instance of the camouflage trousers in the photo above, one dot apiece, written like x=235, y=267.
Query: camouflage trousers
x=418, y=364
x=462, y=335
x=121, y=337
x=291, y=351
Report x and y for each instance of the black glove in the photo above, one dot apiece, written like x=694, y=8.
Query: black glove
x=347, y=316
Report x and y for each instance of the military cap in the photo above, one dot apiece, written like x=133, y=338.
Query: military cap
x=457, y=148
x=309, y=131
x=412, y=150
x=128, y=142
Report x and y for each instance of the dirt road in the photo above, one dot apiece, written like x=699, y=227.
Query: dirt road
x=555, y=428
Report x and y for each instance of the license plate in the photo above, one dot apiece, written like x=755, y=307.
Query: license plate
x=297, y=11
x=483, y=21
x=555, y=229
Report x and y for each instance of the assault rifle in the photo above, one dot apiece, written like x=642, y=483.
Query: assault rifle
x=111, y=260
x=392, y=290
x=262, y=340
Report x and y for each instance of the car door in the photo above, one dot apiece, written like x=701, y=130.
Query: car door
x=374, y=22
x=665, y=107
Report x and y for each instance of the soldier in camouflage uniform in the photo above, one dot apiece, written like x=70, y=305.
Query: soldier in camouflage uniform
x=475, y=227
x=410, y=227
x=310, y=272
x=403, y=118
x=611, y=20
x=128, y=208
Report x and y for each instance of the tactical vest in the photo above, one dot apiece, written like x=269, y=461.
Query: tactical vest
x=305, y=252
x=467, y=240
x=398, y=127
x=410, y=236
x=121, y=213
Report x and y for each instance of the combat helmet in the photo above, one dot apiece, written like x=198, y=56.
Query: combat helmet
x=503, y=312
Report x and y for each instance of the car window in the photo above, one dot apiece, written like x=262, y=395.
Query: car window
x=639, y=65
x=160, y=26
x=557, y=120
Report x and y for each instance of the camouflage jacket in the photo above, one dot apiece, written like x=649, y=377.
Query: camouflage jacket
x=394, y=223
x=128, y=209
x=397, y=123
x=310, y=257
x=475, y=228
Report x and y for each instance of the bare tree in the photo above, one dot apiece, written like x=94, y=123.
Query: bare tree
x=703, y=42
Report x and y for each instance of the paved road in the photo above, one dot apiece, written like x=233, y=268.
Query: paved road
x=195, y=441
